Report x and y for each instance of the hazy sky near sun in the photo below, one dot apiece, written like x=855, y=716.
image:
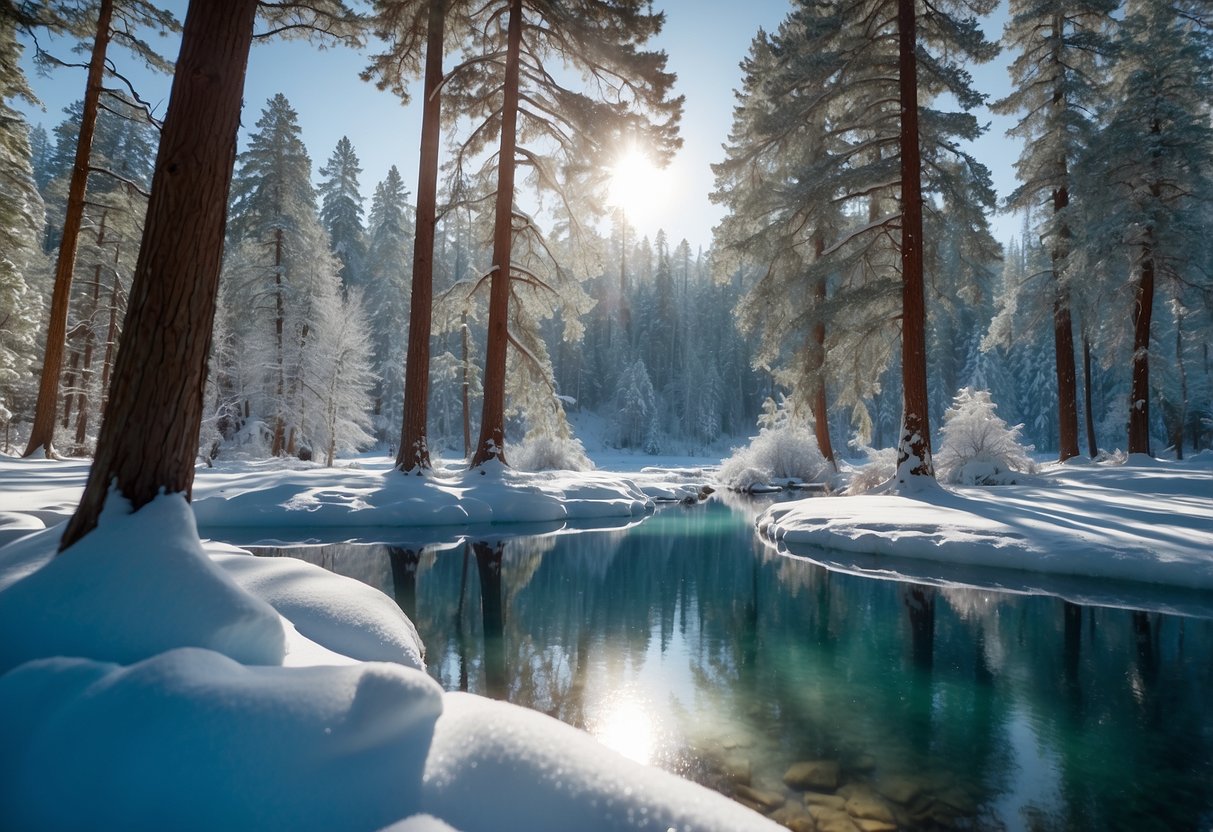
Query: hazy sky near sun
x=705, y=41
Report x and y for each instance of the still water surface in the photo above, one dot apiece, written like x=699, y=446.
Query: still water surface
x=684, y=642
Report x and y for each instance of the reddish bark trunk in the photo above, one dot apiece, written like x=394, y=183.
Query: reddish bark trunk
x=467, y=421
x=1139, y=396
x=111, y=340
x=42, y=434
x=279, y=441
x=492, y=421
x=1088, y=405
x=414, y=446
x=914, y=450
x=149, y=439
x=1063, y=329
x=817, y=358
x=90, y=340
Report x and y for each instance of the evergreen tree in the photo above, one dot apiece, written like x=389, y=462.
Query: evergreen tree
x=1148, y=175
x=567, y=138
x=21, y=217
x=1057, y=46
x=286, y=260
x=387, y=269
x=409, y=30
x=109, y=21
x=341, y=211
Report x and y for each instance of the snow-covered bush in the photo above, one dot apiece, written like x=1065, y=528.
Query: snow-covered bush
x=784, y=449
x=978, y=447
x=549, y=452
x=878, y=470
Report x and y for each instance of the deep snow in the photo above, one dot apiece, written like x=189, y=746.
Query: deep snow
x=152, y=680
x=155, y=681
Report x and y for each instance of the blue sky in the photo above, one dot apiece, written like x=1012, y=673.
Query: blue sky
x=705, y=40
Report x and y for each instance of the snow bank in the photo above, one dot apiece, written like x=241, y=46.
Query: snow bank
x=350, y=498
x=112, y=715
x=494, y=766
x=344, y=615
x=190, y=739
x=1151, y=523
x=137, y=585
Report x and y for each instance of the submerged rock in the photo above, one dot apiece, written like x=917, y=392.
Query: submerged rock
x=868, y=805
x=832, y=820
x=830, y=801
x=794, y=817
x=899, y=789
x=812, y=774
x=759, y=799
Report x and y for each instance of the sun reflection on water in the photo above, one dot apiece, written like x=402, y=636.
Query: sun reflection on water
x=627, y=725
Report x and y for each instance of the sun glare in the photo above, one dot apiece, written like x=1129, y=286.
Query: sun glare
x=638, y=187
x=628, y=728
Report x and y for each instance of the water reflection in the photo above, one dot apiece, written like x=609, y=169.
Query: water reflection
x=686, y=643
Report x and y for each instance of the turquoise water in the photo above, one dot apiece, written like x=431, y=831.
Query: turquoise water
x=685, y=643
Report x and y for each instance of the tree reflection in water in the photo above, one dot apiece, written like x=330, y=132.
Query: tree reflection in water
x=686, y=641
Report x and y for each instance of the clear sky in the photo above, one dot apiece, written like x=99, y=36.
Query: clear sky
x=705, y=40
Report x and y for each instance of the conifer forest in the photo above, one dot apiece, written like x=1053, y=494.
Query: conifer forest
x=502, y=301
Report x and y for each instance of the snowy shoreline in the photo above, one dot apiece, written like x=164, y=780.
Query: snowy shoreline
x=160, y=680
x=1147, y=522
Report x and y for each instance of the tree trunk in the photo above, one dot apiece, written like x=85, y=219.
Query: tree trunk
x=914, y=449
x=86, y=369
x=1067, y=386
x=90, y=340
x=278, y=443
x=414, y=449
x=42, y=434
x=1063, y=329
x=149, y=438
x=69, y=385
x=1139, y=396
x=467, y=420
x=817, y=359
x=1088, y=406
x=111, y=339
x=1182, y=406
x=491, y=443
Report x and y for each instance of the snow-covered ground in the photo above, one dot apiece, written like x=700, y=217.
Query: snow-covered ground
x=150, y=679
x=1141, y=521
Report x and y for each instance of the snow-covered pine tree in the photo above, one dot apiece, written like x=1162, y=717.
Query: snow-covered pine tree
x=568, y=137
x=637, y=408
x=410, y=31
x=98, y=25
x=1057, y=50
x=21, y=218
x=337, y=375
x=286, y=257
x=867, y=73
x=778, y=137
x=389, y=257
x=1148, y=174
x=341, y=211
x=148, y=447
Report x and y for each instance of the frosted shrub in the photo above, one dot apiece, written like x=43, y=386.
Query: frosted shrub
x=978, y=447
x=548, y=452
x=878, y=470
x=784, y=449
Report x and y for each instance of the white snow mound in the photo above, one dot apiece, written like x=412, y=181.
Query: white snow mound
x=135, y=586
x=494, y=766
x=190, y=740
